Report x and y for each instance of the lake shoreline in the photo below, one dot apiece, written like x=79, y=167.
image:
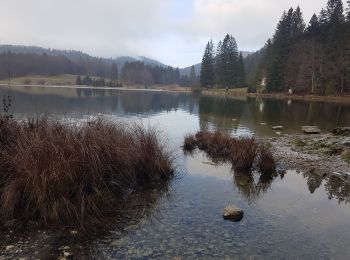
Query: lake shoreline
x=281, y=96
x=214, y=93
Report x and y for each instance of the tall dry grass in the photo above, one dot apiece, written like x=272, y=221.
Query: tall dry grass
x=72, y=175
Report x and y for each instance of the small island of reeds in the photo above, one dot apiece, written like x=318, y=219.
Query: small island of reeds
x=245, y=153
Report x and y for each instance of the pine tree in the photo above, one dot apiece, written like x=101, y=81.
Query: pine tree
x=114, y=72
x=335, y=11
x=207, y=77
x=348, y=12
x=78, y=81
x=313, y=28
x=219, y=65
x=334, y=46
x=231, y=56
x=281, y=47
x=241, y=75
x=298, y=25
x=193, y=77
x=313, y=32
x=227, y=62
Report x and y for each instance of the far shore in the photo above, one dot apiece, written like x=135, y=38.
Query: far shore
x=231, y=93
x=306, y=97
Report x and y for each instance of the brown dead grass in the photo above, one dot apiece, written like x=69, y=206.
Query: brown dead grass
x=72, y=175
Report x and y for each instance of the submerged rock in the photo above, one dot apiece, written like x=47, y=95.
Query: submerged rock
x=233, y=213
x=9, y=247
x=311, y=129
x=342, y=131
x=277, y=128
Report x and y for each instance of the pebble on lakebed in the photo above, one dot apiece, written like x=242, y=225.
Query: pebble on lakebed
x=277, y=128
x=233, y=213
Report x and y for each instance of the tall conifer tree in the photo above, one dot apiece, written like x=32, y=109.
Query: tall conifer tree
x=229, y=56
x=207, y=77
x=219, y=65
x=241, y=75
x=193, y=77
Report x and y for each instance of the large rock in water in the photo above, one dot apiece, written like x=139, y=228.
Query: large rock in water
x=233, y=213
x=311, y=129
x=342, y=131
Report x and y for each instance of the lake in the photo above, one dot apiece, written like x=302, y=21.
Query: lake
x=294, y=216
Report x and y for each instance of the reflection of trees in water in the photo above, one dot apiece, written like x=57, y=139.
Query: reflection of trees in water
x=218, y=112
x=313, y=180
x=88, y=100
x=251, y=186
x=337, y=187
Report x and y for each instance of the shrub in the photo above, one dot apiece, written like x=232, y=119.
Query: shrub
x=41, y=82
x=27, y=82
x=73, y=175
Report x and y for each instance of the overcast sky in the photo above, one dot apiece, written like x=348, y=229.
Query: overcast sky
x=172, y=31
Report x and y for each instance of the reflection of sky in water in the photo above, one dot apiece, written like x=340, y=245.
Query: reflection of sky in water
x=289, y=218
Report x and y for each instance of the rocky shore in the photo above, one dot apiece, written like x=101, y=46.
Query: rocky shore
x=322, y=153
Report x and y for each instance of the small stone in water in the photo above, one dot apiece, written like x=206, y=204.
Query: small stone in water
x=233, y=213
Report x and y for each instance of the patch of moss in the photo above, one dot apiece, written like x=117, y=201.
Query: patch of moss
x=299, y=143
x=346, y=155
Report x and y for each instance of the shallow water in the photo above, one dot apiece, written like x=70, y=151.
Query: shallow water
x=293, y=216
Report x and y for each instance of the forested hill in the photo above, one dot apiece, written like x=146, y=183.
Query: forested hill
x=73, y=55
x=308, y=58
x=30, y=60
x=23, y=60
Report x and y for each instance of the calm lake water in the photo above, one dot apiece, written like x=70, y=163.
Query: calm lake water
x=297, y=216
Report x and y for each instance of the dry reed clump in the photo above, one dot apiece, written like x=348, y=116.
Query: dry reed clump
x=266, y=161
x=244, y=153
x=190, y=143
x=64, y=174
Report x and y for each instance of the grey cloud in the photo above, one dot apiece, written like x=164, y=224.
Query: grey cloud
x=160, y=29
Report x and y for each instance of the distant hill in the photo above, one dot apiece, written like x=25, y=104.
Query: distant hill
x=76, y=56
x=20, y=61
x=25, y=60
x=187, y=70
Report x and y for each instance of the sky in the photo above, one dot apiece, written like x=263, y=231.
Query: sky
x=172, y=31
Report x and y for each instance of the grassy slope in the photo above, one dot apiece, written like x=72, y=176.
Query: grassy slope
x=65, y=79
